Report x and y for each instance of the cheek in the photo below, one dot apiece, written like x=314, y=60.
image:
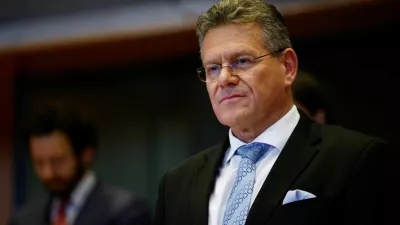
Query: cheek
x=212, y=89
x=264, y=91
x=268, y=81
x=69, y=168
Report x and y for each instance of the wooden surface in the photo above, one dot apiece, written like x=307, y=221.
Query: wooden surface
x=6, y=131
x=130, y=46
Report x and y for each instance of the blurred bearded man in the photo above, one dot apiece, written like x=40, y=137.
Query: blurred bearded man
x=62, y=146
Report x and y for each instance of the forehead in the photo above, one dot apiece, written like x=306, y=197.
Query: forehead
x=227, y=40
x=55, y=143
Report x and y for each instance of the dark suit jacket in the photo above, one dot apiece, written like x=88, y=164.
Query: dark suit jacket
x=353, y=176
x=105, y=205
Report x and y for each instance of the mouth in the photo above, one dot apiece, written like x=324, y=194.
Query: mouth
x=231, y=97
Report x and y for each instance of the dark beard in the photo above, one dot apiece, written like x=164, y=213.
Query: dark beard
x=71, y=185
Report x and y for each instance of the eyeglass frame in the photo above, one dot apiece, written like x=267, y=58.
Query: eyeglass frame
x=256, y=60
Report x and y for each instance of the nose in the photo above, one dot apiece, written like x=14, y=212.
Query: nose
x=226, y=77
x=46, y=172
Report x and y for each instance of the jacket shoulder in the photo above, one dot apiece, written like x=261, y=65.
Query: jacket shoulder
x=117, y=197
x=348, y=146
x=195, y=161
x=30, y=212
x=346, y=137
x=121, y=202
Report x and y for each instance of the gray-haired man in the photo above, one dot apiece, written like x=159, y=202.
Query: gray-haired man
x=276, y=166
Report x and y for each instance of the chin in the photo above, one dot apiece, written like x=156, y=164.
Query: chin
x=230, y=119
x=59, y=193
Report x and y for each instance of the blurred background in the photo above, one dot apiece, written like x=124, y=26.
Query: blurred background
x=130, y=65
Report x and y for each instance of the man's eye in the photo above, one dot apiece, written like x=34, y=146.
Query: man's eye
x=243, y=63
x=243, y=60
x=213, y=69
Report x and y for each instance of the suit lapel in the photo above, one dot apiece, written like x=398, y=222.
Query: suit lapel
x=93, y=207
x=294, y=158
x=42, y=213
x=39, y=213
x=203, y=185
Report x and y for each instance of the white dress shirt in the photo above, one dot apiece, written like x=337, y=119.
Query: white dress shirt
x=276, y=136
x=77, y=199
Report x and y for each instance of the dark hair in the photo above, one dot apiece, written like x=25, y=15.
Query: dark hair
x=80, y=132
x=308, y=92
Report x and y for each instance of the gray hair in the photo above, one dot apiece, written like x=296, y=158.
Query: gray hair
x=276, y=34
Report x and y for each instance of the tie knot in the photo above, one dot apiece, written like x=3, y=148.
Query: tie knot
x=253, y=151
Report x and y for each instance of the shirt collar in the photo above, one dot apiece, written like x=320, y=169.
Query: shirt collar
x=84, y=187
x=276, y=135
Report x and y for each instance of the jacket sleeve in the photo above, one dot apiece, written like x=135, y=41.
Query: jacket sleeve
x=372, y=197
x=134, y=213
x=159, y=215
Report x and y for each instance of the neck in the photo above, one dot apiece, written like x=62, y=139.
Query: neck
x=79, y=176
x=252, y=131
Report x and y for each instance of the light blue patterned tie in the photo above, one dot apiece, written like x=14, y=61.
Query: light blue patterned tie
x=238, y=204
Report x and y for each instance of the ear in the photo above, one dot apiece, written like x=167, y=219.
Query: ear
x=88, y=156
x=291, y=64
x=319, y=116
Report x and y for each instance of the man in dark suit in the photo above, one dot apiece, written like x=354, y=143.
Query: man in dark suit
x=62, y=146
x=311, y=98
x=276, y=166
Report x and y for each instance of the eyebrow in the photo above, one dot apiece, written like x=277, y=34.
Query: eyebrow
x=238, y=53
x=230, y=56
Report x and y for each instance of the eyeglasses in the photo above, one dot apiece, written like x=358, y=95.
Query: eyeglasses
x=211, y=72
